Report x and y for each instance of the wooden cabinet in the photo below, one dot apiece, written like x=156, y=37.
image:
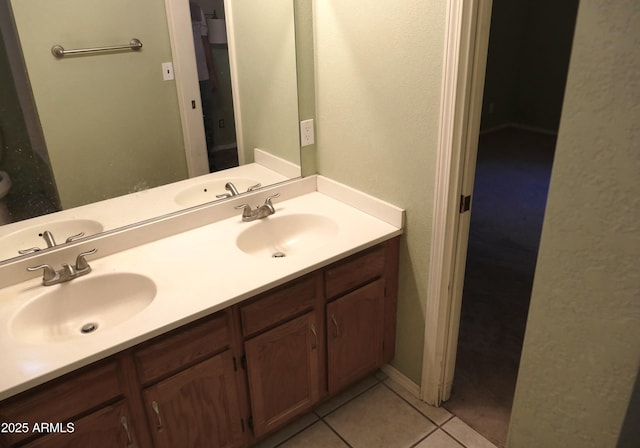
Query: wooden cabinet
x=282, y=347
x=283, y=374
x=232, y=378
x=85, y=408
x=190, y=394
x=107, y=427
x=197, y=407
x=354, y=330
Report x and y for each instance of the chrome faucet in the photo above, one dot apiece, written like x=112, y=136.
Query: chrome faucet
x=51, y=242
x=233, y=191
x=48, y=238
x=68, y=272
x=262, y=211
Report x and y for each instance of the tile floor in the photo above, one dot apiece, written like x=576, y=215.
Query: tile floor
x=377, y=413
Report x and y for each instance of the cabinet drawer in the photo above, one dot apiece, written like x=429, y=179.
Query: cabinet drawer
x=354, y=271
x=182, y=347
x=62, y=399
x=278, y=305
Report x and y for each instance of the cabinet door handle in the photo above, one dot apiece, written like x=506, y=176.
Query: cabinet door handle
x=125, y=425
x=315, y=336
x=336, y=333
x=156, y=409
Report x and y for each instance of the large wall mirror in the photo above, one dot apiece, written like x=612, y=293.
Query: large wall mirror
x=96, y=141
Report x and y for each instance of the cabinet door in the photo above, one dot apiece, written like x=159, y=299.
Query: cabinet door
x=282, y=368
x=197, y=407
x=107, y=427
x=354, y=335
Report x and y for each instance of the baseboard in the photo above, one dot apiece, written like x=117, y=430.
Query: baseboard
x=395, y=375
x=523, y=127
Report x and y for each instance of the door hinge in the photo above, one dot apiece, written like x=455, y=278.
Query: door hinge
x=465, y=203
x=235, y=364
x=242, y=424
x=243, y=362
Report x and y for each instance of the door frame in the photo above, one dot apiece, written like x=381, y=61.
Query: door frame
x=187, y=86
x=466, y=47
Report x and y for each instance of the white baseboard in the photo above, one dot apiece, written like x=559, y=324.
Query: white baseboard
x=395, y=375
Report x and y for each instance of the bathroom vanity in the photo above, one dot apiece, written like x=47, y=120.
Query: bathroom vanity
x=216, y=361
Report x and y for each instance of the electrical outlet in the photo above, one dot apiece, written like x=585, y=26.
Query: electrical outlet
x=306, y=133
x=167, y=71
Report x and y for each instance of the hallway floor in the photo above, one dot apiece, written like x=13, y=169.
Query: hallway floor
x=509, y=198
x=377, y=413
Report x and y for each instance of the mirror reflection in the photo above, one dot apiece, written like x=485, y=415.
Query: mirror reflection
x=94, y=141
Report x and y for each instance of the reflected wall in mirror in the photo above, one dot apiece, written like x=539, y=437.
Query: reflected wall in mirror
x=103, y=137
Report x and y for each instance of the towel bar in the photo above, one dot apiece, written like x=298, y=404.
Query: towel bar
x=58, y=51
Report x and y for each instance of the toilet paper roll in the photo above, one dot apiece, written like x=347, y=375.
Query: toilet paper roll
x=217, y=31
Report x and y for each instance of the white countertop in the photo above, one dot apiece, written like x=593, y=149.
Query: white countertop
x=140, y=205
x=196, y=272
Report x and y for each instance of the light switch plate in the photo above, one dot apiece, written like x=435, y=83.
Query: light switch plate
x=167, y=71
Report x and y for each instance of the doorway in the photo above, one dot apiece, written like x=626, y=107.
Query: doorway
x=527, y=63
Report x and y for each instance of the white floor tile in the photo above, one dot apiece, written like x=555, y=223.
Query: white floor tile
x=466, y=434
x=439, y=439
x=437, y=415
x=379, y=419
x=347, y=395
x=318, y=435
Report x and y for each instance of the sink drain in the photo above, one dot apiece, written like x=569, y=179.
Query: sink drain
x=89, y=328
x=279, y=255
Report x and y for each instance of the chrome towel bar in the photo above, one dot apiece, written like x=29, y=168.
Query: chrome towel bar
x=59, y=52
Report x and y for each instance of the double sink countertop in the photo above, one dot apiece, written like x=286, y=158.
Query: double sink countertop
x=215, y=261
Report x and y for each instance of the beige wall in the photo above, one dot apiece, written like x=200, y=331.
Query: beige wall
x=582, y=345
x=378, y=81
x=111, y=124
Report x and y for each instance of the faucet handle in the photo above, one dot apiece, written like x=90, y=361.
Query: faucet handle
x=254, y=187
x=269, y=198
x=72, y=238
x=31, y=250
x=48, y=274
x=81, y=262
x=246, y=210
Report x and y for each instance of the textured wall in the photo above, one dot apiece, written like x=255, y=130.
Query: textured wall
x=582, y=346
x=378, y=83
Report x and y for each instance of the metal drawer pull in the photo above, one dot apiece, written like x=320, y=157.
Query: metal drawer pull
x=156, y=409
x=315, y=336
x=336, y=333
x=125, y=425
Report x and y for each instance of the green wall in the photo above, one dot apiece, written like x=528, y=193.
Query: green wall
x=378, y=84
x=266, y=63
x=110, y=122
x=582, y=345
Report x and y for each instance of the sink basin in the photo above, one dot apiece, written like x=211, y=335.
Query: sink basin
x=31, y=236
x=82, y=306
x=288, y=235
x=206, y=191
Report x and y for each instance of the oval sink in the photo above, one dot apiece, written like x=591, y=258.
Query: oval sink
x=207, y=191
x=82, y=306
x=31, y=236
x=283, y=236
